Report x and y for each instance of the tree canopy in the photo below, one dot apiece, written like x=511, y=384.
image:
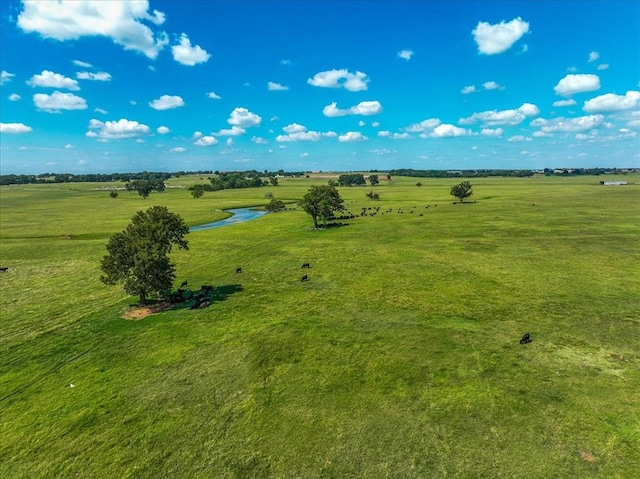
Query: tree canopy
x=145, y=187
x=138, y=256
x=321, y=202
x=462, y=190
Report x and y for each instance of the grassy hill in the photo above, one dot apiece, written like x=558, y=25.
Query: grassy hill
x=399, y=358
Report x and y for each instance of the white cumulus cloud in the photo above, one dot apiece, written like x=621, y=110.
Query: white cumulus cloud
x=468, y=89
x=99, y=76
x=244, y=118
x=14, y=128
x=569, y=102
x=163, y=130
x=188, y=54
x=213, y=96
x=405, y=54
x=491, y=85
x=167, y=102
x=49, y=79
x=273, y=86
x=233, y=131
x=495, y=132
x=498, y=38
x=593, y=56
x=120, y=129
x=568, y=125
x=446, y=130
x=518, y=138
x=365, y=108
x=5, y=77
x=577, y=83
x=297, y=132
x=72, y=19
x=259, y=140
x=14, y=97
x=340, y=79
x=352, y=136
x=206, y=141
x=423, y=126
x=502, y=117
x=82, y=64
x=59, y=101
x=294, y=128
x=612, y=102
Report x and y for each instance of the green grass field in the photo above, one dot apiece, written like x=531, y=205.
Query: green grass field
x=399, y=358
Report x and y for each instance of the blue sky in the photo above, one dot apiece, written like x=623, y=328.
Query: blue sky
x=326, y=85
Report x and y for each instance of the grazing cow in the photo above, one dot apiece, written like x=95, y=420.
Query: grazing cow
x=526, y=339
x=184, y=284
x=238, y=270
x=306, y=265
x=305, y=278
x=4, y=269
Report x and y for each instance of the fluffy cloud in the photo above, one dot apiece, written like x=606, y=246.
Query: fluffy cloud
x=518, y=138
x=593, y=56
x=502, y=117
x=577, y=83
x=405, y=54
x=424, y=125
x=393, y=136
x=498, y=38
x=569, y=102
x=491, y=85
x=49, y=79
x=612, y=102
x=297, y=132
x=468, y=89
x=187, y=54
x=14, y=128
x=100, y=76
x=340, y=79
x=119, y=21
x=163, y=130
x=272, y=86
x=120, y=129
x=14, y=97
x=206, y=141
x=259, y=141
x=495, y=132
x=167, y=102
x=213, y=96
x=233, y=131
x=5, y=77
x=352, y=136
x=365, y=108
x=446, y=130
x=581, y=123
x=81, y=64
x=244, y=118
x=59, y=101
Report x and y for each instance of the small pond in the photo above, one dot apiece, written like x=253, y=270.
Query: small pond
x=240, y=215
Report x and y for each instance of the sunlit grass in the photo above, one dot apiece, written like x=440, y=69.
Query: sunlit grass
x=400, y=358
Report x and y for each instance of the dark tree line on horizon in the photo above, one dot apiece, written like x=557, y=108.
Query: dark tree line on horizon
x=14, y=179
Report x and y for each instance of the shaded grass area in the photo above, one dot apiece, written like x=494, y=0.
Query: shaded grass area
x=399, y=358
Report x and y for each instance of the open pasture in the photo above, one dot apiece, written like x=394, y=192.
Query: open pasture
x=399, y=358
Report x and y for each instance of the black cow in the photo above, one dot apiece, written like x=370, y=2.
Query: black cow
x=306, y=265
x=4, y=269
x=305, y=278
x=238, y=270
x=526, y=339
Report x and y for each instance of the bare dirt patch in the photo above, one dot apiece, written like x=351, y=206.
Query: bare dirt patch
x=136, y=313
x=588, y=457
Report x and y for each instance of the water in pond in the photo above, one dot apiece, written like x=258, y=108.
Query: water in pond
x=239, y=215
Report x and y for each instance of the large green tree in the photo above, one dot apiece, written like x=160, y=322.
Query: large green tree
x=462, y=190
x=321, y=202
x=145, y=187
x=138, y=256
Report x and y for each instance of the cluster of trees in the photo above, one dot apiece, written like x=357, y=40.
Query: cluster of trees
x=138, y=257
x=144, y=187
x=351, y=179
x=588, y=171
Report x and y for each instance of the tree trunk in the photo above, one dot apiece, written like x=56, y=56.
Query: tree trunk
x=143, y=298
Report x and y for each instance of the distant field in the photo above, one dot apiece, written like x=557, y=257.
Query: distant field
x=399, y=358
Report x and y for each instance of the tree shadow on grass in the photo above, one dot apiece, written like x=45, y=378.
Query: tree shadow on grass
x=203, y=297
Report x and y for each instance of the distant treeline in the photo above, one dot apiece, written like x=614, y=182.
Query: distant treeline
x=459, y=173
x=107, y=177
